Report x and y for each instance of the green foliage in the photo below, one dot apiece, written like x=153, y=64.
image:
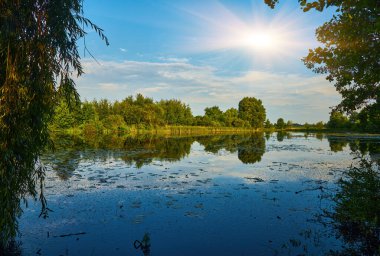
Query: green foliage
x=114, y=122
x=102, y=108
x=93, y=127
x=215, y=115
x=88, y=112
x=280, y=124
x=230, y=116
x=369, y=118
x=268, y=124
x=319, y=125
x=231, y=119
x=38, y=54
x=142, y=112
x=357, y=212
x=63, y=117
x=253, y=111
x=350, y=53
x=337, y=121
x=176, y=113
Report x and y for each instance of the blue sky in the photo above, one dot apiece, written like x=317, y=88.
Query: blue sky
x=207, y=53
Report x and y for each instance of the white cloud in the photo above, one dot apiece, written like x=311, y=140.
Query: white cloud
x=151, y=89
x=291, y=96
x=174, y=59
x=109, y=86
x=123, y=49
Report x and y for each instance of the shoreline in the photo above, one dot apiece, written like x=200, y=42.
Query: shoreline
x=206, y=130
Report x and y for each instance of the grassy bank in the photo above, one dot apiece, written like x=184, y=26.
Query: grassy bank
x=200, y=130
x=161, y=130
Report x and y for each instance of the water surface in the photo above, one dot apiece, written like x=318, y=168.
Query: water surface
x=258, y=194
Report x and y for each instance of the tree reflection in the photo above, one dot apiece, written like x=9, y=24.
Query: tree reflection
x=281, y=135
x=267, y=135
x=215, y=143
x=356, y=216
x=336, y=145
x=250, y=148
x=13, y=248
x=144, y=150
x=362, y=145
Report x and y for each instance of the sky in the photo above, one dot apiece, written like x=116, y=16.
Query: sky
x=207, y=53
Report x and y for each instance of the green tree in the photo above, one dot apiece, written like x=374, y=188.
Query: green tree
x=370, y=118
x=289, y=124
x=230, y=116
x=280, y=124
x=142, y=111
x=350, y=52
x=268, y=124
x=114, y=122
x=253, y=111
x=175, y=112
x=38, y=54
x=102, y=108
x=88, y=111
x=63, y=117
x=215, y=115
x=338, y=120
x=320, y=125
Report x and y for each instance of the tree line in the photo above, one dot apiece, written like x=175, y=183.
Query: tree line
x=144, y=112
x=367, y=119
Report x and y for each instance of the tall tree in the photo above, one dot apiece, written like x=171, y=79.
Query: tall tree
x=176, y=112
x=215, y=114
x=280, y=124
x=350, y=53
x=338, y=120
x=38, y=55
x=230, y=116
x=253, y=111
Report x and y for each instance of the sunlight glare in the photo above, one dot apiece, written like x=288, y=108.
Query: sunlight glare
x=264, y=37
x=259, y=40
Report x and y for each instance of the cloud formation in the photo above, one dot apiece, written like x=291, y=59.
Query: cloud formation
x=291, y=96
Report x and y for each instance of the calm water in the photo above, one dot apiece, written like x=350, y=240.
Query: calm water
x=218, y=195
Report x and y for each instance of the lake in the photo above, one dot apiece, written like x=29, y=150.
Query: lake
x=256, y=194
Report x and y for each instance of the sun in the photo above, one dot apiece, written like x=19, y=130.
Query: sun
x=259, y=40
x=262, y=36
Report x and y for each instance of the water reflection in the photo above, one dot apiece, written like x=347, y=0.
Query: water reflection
x=251, y=150
x=143, y=245
x=336, y=145
x=143, y=150
x=280, y=136
x=362, y=145
x=13, y=248
x=292, y=180
x=356, y=216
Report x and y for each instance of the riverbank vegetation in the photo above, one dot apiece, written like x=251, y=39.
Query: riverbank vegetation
x=144, y=115
x=139, y=114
